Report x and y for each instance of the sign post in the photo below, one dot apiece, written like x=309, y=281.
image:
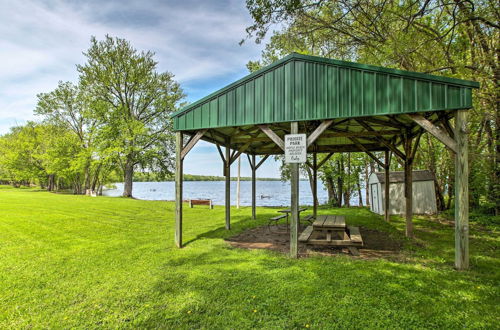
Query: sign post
x=295, y=148
x=295, y=153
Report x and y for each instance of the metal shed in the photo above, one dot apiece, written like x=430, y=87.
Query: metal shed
x=424, y=194
x=341, y=107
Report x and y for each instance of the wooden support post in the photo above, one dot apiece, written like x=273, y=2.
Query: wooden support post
x=294, y=201
x=254, y=190
x=387, y=186
x=461, y=192
x=408, y=169
x=315, y=185
x=227, y=172
x=178, y=189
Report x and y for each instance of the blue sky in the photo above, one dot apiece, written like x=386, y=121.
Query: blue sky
x=197, y=41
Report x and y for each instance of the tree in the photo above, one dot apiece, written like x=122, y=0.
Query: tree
x=457, y=38
x=68, y=106
x=133, y=104
x=39, y=153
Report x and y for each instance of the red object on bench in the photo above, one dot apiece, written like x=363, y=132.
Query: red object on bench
x=200, y=202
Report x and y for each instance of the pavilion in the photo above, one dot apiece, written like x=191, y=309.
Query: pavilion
x=342, y=107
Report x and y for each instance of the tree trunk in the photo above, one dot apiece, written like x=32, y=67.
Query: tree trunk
x=128, y=174
x=359, y=195
x=348, y=190
x=50, y=182
x=367, y=195
x=332, y=199
x=340, y=183
x=310, y=176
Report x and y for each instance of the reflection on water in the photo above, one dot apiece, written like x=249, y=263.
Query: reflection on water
x=269, y=193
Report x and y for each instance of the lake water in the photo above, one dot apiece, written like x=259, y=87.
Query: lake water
x=269, y=193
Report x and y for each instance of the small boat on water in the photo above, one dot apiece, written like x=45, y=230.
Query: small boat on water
x=265, y=196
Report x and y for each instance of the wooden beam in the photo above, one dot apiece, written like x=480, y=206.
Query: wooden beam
x=462, y=192
x=294, y=201
x=273, y=136
x=192, y=142
x=335, y=132
x=318, y=131
x=408, y=188
x=261, y=162
x=315, y=185
x=447, y=126
x=415, y=146
x=252, y=165
x=227, y=172
x=254, y=190
x=324, y=160
x=242, y=149
x=221, y=153
x=434, y=130
x=325, y=149
x=232, y=155
x=381, y=122
x=387, y=168
x=178, y=188
x=382, y=140
x=362, y=147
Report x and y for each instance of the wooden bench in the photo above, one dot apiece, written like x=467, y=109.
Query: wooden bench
x=308, y=218
x=275, y=219
x=355, y=235
x=304, y=236
x=201, y=202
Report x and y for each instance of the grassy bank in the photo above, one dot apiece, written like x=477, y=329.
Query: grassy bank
x=76, y=261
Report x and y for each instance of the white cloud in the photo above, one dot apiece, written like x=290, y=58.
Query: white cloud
x=43, y=40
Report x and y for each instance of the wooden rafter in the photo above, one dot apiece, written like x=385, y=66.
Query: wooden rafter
x=343, y=133
x=381, y=122
x=318, y=131
x=261, y=161
x=238, y=152
x=191, y=143
x=382, y=140
x=325, y=148
x=362, y=147
x=273, y=136
x=252, y=165
x=220, y=152
x=324, y=160
x=434, y=130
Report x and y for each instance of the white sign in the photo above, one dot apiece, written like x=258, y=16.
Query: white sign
x=295, y=148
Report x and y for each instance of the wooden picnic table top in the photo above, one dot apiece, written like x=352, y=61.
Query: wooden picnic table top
x=301, y=209
x=329, y=222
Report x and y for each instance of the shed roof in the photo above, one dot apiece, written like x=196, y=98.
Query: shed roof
x=399, y=177
x=303, y=88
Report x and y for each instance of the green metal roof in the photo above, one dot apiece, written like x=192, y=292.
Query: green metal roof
x=302, y=88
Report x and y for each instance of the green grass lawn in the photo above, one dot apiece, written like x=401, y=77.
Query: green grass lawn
x=75, y=261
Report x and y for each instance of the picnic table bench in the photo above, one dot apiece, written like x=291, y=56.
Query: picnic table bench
x=208, y=202
x=324, y=229
x=285, y=215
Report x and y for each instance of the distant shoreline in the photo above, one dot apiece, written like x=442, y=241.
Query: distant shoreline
x=146, y=177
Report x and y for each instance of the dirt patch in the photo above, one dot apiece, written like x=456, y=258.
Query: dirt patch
x=376, y=244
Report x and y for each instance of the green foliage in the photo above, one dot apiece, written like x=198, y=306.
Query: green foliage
x=114, y=121
x=81, y=262
x=458, y=39
x=133, y=104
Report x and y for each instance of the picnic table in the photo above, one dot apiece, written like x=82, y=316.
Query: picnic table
x=286, y=213
x=331, y=230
